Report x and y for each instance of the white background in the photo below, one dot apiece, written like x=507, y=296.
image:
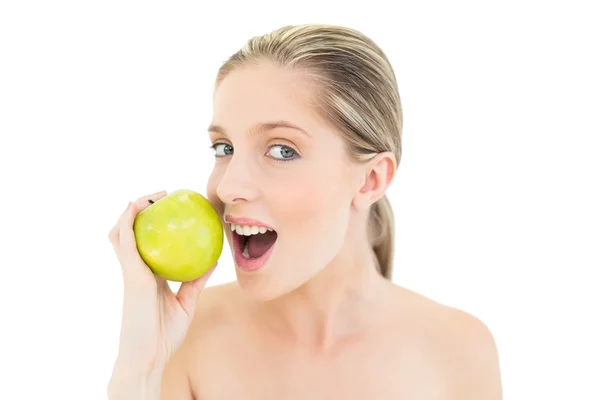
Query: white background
x=496, y=197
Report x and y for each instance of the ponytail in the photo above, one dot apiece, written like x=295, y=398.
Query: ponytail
x=381, y=235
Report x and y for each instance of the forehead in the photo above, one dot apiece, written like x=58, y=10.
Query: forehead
x=258, y=93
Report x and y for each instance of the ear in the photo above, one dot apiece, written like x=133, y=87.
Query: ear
x=376, y=176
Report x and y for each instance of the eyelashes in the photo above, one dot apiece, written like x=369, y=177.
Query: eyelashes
x=286, y=152
x=222, y=149
x=278, y=152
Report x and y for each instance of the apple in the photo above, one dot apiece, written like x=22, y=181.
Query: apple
x=180, y=236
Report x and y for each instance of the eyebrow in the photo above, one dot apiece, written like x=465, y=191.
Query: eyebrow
x=261, y=127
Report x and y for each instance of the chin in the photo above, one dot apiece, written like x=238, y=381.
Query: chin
x=261, y=288
x=271, y=282
x=275, y=281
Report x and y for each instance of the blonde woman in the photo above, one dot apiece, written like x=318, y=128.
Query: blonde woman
x=306, y=131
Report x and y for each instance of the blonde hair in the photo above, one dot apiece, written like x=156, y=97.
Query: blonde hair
x=356, y=91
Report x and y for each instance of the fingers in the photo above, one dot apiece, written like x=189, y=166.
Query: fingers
x=188, y=292
x=123, y=239
x=113, y=235
x=126, y=236
x=143, y=202
x=126, y=219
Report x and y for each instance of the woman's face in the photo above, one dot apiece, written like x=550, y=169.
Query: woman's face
x=299, y=182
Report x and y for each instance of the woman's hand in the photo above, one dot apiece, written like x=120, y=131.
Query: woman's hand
x=155, y=320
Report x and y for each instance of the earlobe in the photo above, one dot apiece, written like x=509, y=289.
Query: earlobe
x=378, y=175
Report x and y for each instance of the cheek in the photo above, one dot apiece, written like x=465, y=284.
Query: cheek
x=211, y=190
x=315, y=206
x=315, y=227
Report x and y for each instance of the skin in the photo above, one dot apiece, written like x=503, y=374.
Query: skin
x=317, y=321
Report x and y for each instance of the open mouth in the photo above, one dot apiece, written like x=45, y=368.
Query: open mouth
x=253, y=244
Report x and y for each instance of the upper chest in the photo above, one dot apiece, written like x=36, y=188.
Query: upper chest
x=379, y=367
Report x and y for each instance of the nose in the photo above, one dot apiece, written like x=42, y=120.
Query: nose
x=238, y=182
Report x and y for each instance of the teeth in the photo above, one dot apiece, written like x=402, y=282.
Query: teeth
x=248, y=230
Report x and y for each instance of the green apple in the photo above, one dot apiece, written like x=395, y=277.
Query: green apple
x=180, y=236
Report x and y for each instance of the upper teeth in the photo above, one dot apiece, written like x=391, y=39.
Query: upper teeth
x=248, y=230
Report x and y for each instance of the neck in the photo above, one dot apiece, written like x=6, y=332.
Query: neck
x=339, y=302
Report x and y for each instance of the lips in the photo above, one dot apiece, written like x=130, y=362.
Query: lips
x=258, y=251
x=253, y=242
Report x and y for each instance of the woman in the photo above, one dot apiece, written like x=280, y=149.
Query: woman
x=306, y=134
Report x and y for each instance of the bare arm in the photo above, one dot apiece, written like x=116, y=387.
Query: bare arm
x=170, y=382
x=155, y=320
x=126, y=383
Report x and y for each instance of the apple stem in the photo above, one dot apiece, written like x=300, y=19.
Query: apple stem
x=150, y=201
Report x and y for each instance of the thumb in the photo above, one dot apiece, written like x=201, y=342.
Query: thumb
x=188, y=292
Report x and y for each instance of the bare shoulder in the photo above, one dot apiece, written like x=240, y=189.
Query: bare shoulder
x=216, y=309
x=472, y=354
x=212, y=320
x=464, y=344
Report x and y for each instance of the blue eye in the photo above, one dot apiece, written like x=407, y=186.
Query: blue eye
x=222, y=149
x=282, y=153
